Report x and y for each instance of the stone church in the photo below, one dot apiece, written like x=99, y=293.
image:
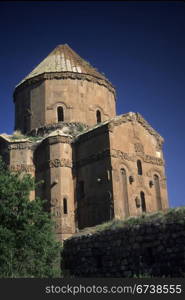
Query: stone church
x=95, y=165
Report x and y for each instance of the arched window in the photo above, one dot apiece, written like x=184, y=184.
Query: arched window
x=139, y=167
x=143, y=203
x=60, y=113
x=98, y=116
x=65, y=206
x=157, y=192
x=125, y=192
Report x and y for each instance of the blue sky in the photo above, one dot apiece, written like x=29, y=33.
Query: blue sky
x=140, y=46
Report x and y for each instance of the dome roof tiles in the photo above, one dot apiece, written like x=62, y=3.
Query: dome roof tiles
x=64, y=59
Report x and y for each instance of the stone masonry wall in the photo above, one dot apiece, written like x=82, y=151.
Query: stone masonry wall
x=152, y=245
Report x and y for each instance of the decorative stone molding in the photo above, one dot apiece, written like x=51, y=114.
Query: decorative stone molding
x=117, y=154
x=147, y=126
x=65, y=75
x=59, y=139
x=146, y=158
x=19, y=146
x=47, y=129
x=22, y=168
x=153, y=160
x=51, y=107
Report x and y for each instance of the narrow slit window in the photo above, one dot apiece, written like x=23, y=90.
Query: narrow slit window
x=143, y=203
x=65, y=206
x=139, y=167
x=157, y=192
x=60, y=113
x=125, y=192
x=98, y=116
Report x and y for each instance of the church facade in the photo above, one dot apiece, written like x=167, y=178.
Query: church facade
x=95, y=165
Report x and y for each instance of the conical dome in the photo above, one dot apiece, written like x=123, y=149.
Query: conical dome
x=64, y=59
x=63, y=88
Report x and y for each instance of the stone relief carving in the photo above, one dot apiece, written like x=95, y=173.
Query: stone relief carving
x=54, y=201
x=123, y=155
x=153, y=160
x=146, y=158
x=139, y=147
x=56, y=163
x=22, y=168
x=56, y=211
x=58, y=226
x=19, y=146
x=41, y=131
x=117, y=154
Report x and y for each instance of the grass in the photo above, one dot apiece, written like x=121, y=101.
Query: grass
x=174, y=215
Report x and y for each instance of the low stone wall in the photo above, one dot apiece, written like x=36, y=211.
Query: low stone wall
x=145, y=246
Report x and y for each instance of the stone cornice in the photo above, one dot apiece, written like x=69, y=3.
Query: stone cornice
x=147, y=126
x=49, y=128
x=65, y=75
x=133, y=157
x=107, y=153
x=59, y=139
x=17, y=145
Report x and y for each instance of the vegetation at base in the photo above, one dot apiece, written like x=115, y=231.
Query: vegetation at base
x=28, y=246
x=171, y=215
x=18, y=135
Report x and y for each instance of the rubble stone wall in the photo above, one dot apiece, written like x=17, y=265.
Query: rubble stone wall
x=144, y=246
